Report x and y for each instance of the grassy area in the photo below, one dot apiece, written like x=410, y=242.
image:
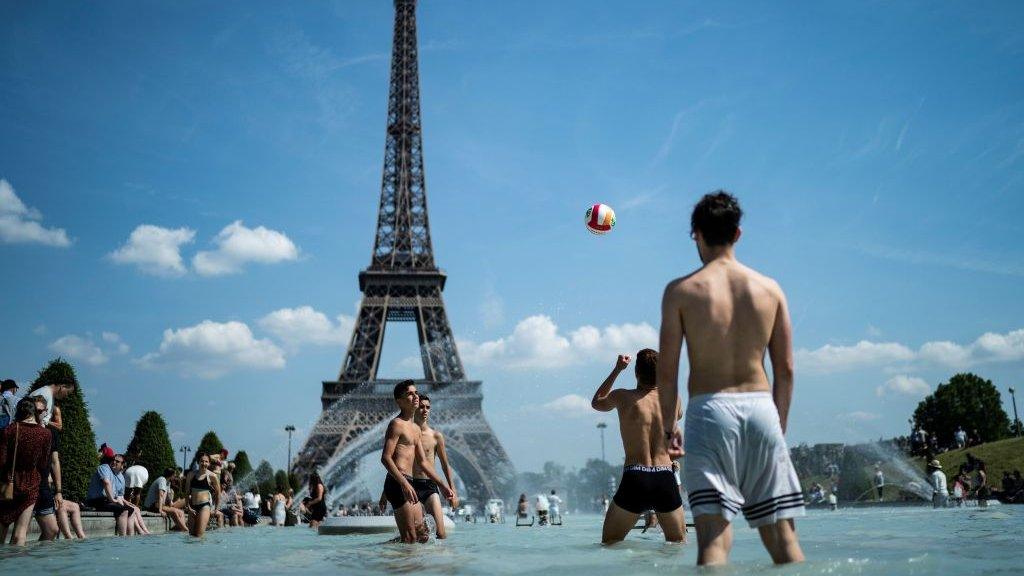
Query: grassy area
x=998, y=456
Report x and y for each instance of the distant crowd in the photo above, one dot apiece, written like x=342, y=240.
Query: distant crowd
x=206, y=495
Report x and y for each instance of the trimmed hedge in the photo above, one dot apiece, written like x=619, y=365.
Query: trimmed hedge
x=151, y=446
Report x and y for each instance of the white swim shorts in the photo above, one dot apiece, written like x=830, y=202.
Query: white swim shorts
x=736, y=459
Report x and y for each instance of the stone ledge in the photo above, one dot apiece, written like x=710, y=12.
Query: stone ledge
x=98, y=524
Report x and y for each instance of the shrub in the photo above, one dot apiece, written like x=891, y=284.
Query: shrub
x=151, y=446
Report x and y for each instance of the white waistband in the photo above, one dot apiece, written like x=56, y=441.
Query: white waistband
x=642, y=468
x=729, y=396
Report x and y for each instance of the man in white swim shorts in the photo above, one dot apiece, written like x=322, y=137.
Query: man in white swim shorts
x=736, y=455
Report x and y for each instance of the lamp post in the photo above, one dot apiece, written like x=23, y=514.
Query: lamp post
x=1016, y=420
x=289, y=429
x=601, y=426
x=184, y=457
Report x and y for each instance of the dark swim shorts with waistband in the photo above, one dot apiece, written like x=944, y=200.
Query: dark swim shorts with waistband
x=648, y=488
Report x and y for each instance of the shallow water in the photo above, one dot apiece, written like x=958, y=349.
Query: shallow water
x=867, y=541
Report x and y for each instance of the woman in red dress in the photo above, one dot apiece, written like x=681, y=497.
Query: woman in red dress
x=33, y=453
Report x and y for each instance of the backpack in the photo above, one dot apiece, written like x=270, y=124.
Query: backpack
x=7, y=408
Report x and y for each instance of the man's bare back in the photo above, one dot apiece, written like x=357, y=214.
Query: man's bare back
x=729, y=315
x=639, y=412
x=737, y=458
x=648, y=482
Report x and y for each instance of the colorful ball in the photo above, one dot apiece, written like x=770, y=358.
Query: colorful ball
x=600, y=219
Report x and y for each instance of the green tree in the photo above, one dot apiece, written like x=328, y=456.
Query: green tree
x=294, y=483
x=281, y=481
x=595, y=480
x=264, y=478
x=967, y=400
x=242, y=466
x=77, y=442
x=151, y=446
x=209, y=444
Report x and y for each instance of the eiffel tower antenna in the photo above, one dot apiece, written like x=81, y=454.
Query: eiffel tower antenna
x=403, y=284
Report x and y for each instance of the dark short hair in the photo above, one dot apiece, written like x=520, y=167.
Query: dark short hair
x=717, y=218
x=646, y=366
x=402, y=386
x=424, y=397
x=8, y=384
x=26, y=407
x=168, y=472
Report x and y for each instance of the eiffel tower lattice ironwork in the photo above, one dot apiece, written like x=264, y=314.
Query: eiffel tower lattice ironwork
x=403, y=284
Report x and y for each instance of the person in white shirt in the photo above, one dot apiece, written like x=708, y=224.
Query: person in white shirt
x=251, y=507
x=960, y=437
x=135, y=477
x=940, y=494
x=158, y=499
x=879, y=481
x=556, y=504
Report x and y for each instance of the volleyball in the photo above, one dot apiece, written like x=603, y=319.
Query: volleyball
x=600, y=219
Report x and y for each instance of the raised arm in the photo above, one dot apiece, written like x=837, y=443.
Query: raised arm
x=387, y=459
x=780, y=350
x=604, y=400
x=446, y=468
x=670, y=344
x=428, y=469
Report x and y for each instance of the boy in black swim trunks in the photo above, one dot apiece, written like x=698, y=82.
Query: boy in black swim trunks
x=647, y=479
x=403, y=449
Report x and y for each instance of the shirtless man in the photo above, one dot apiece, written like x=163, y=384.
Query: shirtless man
x=736, y=456
x=647, y=479
x=426, y=489
x=403, y=454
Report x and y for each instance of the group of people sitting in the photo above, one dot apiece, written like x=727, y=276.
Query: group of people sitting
x=193, y=501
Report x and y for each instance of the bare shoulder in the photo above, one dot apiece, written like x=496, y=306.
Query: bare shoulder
x=437, y=435
x=395, y=427
x=764, y=281
x=679, y=288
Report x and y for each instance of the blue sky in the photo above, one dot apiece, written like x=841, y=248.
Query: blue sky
x=191, y=189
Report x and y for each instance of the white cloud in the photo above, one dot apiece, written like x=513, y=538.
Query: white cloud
x=211, y=349
x=19, y=223
x=569, y=406
x=903, y=384
x=238, y=245
x=305, y=325
x=863, y=354
x=535, y=343
x=988, y=347
x=79, y=348
x=155, y=250
x=859, y=416
x=114, y=339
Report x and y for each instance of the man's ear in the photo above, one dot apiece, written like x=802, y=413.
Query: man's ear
x=739, y=232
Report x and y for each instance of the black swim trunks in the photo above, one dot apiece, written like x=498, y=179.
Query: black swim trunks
x=648, y=488
x=393, y=491
x=424, y=488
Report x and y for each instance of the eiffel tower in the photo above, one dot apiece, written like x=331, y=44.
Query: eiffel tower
x=403, y=284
